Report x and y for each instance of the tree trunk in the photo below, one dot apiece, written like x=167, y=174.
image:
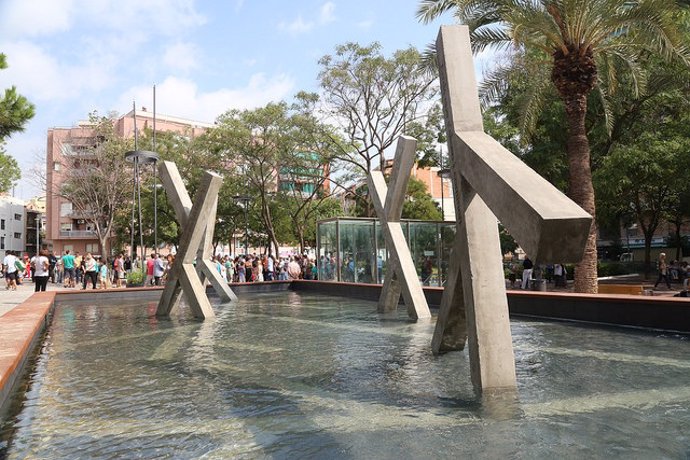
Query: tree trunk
x=581, y=189
x=679, y=241
x=648, y=253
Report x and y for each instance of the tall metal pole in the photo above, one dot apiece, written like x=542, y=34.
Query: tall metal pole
x=443, y=201
x=38, y=232
x=141, y=233
x=246, y=227
x=155, y=178
x=134, y=189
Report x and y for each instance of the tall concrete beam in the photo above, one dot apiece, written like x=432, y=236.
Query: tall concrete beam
x=490, y=180
x=401, y=275
x=183, y=273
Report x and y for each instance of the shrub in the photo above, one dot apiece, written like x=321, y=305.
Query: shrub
x=135, y=278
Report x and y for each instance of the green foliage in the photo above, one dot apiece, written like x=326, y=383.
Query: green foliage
x=508, y=243
x=9, y=170
x=374, y=99
x=135, y=278
x=15, y=109
x=418, y=203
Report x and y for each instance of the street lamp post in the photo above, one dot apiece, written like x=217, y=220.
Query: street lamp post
x=38, y=233
x=443, y=173
x=243, y=200
x=139, y=157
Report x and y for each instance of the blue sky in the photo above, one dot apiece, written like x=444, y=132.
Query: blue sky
x=70, y=57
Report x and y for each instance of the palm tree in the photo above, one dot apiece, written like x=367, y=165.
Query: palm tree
x=580, y=37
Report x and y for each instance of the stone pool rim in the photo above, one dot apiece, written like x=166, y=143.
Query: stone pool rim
x=22, y=328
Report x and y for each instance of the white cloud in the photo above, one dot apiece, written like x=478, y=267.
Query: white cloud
x=326, y=15
x=182, y=98
x=39, y=76
x=366, y=24
x=181, y=56
x=298, y=26
x=22, y=18
x=32, y=18
x=166, y=17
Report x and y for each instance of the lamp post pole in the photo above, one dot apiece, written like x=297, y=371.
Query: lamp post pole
x=246, y=227
x=38, y=233
x=243, y=200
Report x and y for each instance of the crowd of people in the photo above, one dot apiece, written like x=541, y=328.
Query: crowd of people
x=74, y=270
x=256, y=268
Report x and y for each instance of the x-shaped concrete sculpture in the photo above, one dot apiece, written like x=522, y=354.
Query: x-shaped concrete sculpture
x=388, y=202
x=487, y=177
x=197, y=221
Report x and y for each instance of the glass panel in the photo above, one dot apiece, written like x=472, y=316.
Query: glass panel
x=447, y=237
x=347, y=251
x=357, y=249
x=381, y=254
x=424, y=252
x=328, y=251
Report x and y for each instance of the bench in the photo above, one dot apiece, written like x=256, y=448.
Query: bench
x=630, y=289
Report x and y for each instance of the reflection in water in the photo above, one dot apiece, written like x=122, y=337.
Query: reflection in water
x=304, y=376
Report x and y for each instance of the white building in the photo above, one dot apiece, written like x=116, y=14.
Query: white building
x=12, y=225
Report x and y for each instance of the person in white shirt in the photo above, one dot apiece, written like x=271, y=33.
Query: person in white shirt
x=10, y=270
x=41, y=273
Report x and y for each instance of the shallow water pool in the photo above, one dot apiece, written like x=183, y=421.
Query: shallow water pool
x=294, y=375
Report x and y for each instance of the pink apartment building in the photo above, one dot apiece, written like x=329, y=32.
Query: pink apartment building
x=65, y=229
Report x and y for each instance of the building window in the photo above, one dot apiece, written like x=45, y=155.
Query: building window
x=65, y=209
x=66, y=227
x=68, y=247
x=18, y=217
x=18, y=235
x=2, y=241
x=56, y=166
x=2, y=224
x=92, y=248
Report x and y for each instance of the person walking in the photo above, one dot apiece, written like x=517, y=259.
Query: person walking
x=9, y=267
x=90, y=271
x=103, y=273
x=527, y=267
x=662, y=266
x=149, y=270
x=41, y=271
x=158, y=269
x=68, y=264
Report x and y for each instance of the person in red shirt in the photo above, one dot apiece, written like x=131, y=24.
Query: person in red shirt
x=149, y=270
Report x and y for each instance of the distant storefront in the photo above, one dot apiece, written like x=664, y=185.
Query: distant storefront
x=354, y=250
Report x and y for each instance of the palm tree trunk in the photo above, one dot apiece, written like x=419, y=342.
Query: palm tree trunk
x=581, y=189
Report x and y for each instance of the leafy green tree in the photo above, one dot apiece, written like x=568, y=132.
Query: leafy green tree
x=15, y=109
x=641, y=180
x=267, y=147
x=9, y=170
x=15, y=112
x=418, y=203
x=578, y=43
x=372, y=99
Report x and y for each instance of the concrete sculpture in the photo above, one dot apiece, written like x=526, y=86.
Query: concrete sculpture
x=388, y=202
x=490, y=182
x=197, y=220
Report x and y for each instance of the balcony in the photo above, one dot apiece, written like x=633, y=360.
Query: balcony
x=78, y=234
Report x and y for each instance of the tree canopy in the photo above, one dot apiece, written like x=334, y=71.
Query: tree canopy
x=572, y=47
x=15, y=112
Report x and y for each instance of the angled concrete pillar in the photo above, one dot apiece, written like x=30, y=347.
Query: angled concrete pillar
x=401, y=275
x=197, y=220
x=490, y=183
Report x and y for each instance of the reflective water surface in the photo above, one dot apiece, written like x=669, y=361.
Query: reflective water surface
x=304, y=376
